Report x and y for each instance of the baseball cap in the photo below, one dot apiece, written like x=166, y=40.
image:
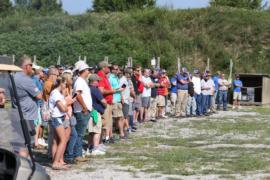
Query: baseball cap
x=184, y=70
x=196, y=71
x=103, y=64
x=68, y=71
x=163, y=71
x=83, y=67
x=94, y=77
x=37, y=67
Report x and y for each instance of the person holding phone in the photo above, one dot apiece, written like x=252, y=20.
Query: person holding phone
x=58, y=108
x=117, y=112
x=70, y=121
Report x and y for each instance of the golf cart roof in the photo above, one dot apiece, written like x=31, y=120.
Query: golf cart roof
x=7, y=67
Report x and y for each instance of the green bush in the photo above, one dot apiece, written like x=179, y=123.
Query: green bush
x=220, y=34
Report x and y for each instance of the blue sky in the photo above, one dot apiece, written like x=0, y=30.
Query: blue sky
x=80, y=6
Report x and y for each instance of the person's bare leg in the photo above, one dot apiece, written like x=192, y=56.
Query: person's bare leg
x=146, y=114
x=37, y=135
x=54, y=144
x=121, y=126
x=234, y=104
x=141, y=114
x=60, y=133
x=95, y=139
x=24, y=152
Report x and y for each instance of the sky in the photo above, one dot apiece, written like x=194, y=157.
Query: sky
x=80, y=6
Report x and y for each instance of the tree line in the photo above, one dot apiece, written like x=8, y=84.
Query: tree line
x=48, y=6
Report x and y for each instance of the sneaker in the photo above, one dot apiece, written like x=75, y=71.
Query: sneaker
x=97, y=152
x=42, y=142
x=164, y=116
x=102, y=147
x=153, y=120
x=81, y=159
x=88, y=152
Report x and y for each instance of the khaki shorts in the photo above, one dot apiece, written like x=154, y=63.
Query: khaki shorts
x=117, y=110
x=107, y=117
x=237, y=96
x=92, y=128
x=160, y=101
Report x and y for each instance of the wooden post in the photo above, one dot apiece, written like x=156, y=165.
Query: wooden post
x=35, y=60
x=207, y=65
x=79, y=58
x=178, y=65
x=59, y=60
x=158, y=62
x=84, y=59
x=231, y=69
x=13, y=59
x=106, y=59
x=130, y=62
x=154, y=62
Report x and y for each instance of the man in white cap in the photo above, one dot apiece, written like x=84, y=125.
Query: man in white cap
x=82, y=108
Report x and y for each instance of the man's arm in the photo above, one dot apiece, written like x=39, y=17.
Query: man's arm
x=81, y=101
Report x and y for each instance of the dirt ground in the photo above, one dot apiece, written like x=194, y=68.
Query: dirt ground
x=226, y=145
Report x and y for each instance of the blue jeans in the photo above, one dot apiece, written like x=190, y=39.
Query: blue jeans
x=69, y=154
x=82, y=122
x=205, y=103
x=222, y=100
x=131, y=121
x=198, y=98
x=191, y=106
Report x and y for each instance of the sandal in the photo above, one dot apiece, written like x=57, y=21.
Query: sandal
x=63, y=168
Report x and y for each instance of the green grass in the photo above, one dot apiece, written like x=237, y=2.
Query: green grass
x=182, y=156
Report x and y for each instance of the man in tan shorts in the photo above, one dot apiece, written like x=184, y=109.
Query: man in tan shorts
x=95, y=123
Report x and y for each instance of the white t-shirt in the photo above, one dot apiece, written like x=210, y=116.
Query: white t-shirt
x=126, y=93
x=208, y=84
x=54, y=97
x=223, y=85
x=197, y=85
x=81, y=85
x=146, y=91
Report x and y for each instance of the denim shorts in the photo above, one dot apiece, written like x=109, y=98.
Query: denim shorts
x=56, y=122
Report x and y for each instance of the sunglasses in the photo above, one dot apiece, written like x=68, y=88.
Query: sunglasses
x=29, y=65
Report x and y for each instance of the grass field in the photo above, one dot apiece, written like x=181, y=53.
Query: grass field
x=227, y=145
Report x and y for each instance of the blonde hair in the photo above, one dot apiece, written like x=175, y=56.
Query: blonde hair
x=68, y=79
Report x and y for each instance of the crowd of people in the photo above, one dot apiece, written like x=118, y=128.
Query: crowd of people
x=78, y=102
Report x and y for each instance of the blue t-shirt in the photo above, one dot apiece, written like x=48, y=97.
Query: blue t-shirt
x=173, y=88
x=39, y=85
x=115, y=83
x=239, y=83
x=96, y=99
x=215, y=79
x=181, y=86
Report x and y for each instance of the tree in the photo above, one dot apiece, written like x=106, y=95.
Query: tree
x=46, y=5
x=121, y=5
x=5, y=6
x=248, y=4
x=40, y=5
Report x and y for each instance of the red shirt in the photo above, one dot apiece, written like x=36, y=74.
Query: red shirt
x=104, y=82
x=165, y=84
